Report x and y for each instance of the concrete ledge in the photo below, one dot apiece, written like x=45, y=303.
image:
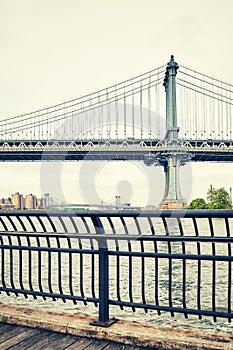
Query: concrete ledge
x=134, y=333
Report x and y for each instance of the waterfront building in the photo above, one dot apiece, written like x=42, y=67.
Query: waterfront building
x=30, y=201
x=17, y=200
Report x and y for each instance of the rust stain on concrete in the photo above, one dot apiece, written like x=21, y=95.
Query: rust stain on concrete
x=134, y=333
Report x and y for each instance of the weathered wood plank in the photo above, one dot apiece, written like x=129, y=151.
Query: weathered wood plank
x=5, y=328
x=60, y=341
x=2, y=325
x=31, y=341
x=98, y=345
x=19, y=337
x=9, y=332
x=45, y=341
x=80, y=344
x=25, y=338
x=120, y=346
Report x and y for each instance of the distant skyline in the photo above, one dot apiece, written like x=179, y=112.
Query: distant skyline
x=53, y=51
x=20, y=201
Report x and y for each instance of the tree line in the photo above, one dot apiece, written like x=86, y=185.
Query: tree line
x=216, y=199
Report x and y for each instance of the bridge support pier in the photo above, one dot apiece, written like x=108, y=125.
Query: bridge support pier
x=172, y=197
x=171, y=161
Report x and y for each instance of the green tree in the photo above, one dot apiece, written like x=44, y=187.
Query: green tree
x=198, y=203
x=218, y=198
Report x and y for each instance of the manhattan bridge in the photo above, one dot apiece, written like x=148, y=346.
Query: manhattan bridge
x=133, y=120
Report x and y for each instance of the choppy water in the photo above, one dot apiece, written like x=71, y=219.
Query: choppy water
x=221, y=285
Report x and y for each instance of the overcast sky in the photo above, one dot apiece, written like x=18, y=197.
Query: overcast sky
x=53, y=51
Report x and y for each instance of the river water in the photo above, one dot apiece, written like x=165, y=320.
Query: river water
x=124, y=267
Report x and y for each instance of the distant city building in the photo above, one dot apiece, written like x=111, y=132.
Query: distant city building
x=30, y=201
x=7, y=206
x=46, y=200
x=40, y=203
x=18, y=202
x=8, y=200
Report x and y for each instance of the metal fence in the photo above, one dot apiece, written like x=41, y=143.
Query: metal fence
x=166, y=261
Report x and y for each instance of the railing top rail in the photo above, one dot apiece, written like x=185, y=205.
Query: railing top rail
x=119, y=237
x=183, y=213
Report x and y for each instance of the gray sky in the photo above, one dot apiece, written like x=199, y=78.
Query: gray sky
x=53, y=51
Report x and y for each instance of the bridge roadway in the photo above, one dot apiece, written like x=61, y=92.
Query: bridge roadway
x=150, y=151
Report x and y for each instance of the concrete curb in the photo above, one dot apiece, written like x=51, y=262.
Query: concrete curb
x=134, y=333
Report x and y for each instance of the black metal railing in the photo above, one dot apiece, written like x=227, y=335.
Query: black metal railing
x=166, y=261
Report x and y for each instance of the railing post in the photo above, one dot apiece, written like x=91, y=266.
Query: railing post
x=103, y=285
x=103, y=319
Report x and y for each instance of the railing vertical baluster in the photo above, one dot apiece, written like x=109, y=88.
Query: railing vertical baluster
x=156, y=266
x=3, y=264
x=229, y=270
x=20, y=266
x=39, y=268
x=170, y=287
x=118, y=265
x=20, y=256
x=213, y=270
x=36, y=229
x=198, y=269
x=92, y=257
x=103, y=286
x=103, y=319
x=11, y=261
x=142, y=265
x=184, y=279
x=81, y=262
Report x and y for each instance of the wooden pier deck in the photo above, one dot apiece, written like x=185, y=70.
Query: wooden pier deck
x=14, y=337
x=34, y=328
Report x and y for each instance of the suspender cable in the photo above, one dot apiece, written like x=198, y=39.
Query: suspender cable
x=34, y=128
x=141, y=121
x=133, y=121
x=81, y=123
x=230, y=116
x=102, y=120
x=158, y=125
x=47, y=126
x=222, y=117
x=227, y=121
x=187, y=111
x=116, y=115
x=203, y=110
x=195, y=115
x=211, y=110
x=72, y=125
x=92, y=126
x=125, y=131
x=192, y=114
x=149, y=107
x=99, y=117
x=108, y=117
x=89, y=120
x=180, y=105
x=219, y=117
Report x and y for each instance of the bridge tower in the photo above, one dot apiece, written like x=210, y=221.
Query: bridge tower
x=174, y=157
